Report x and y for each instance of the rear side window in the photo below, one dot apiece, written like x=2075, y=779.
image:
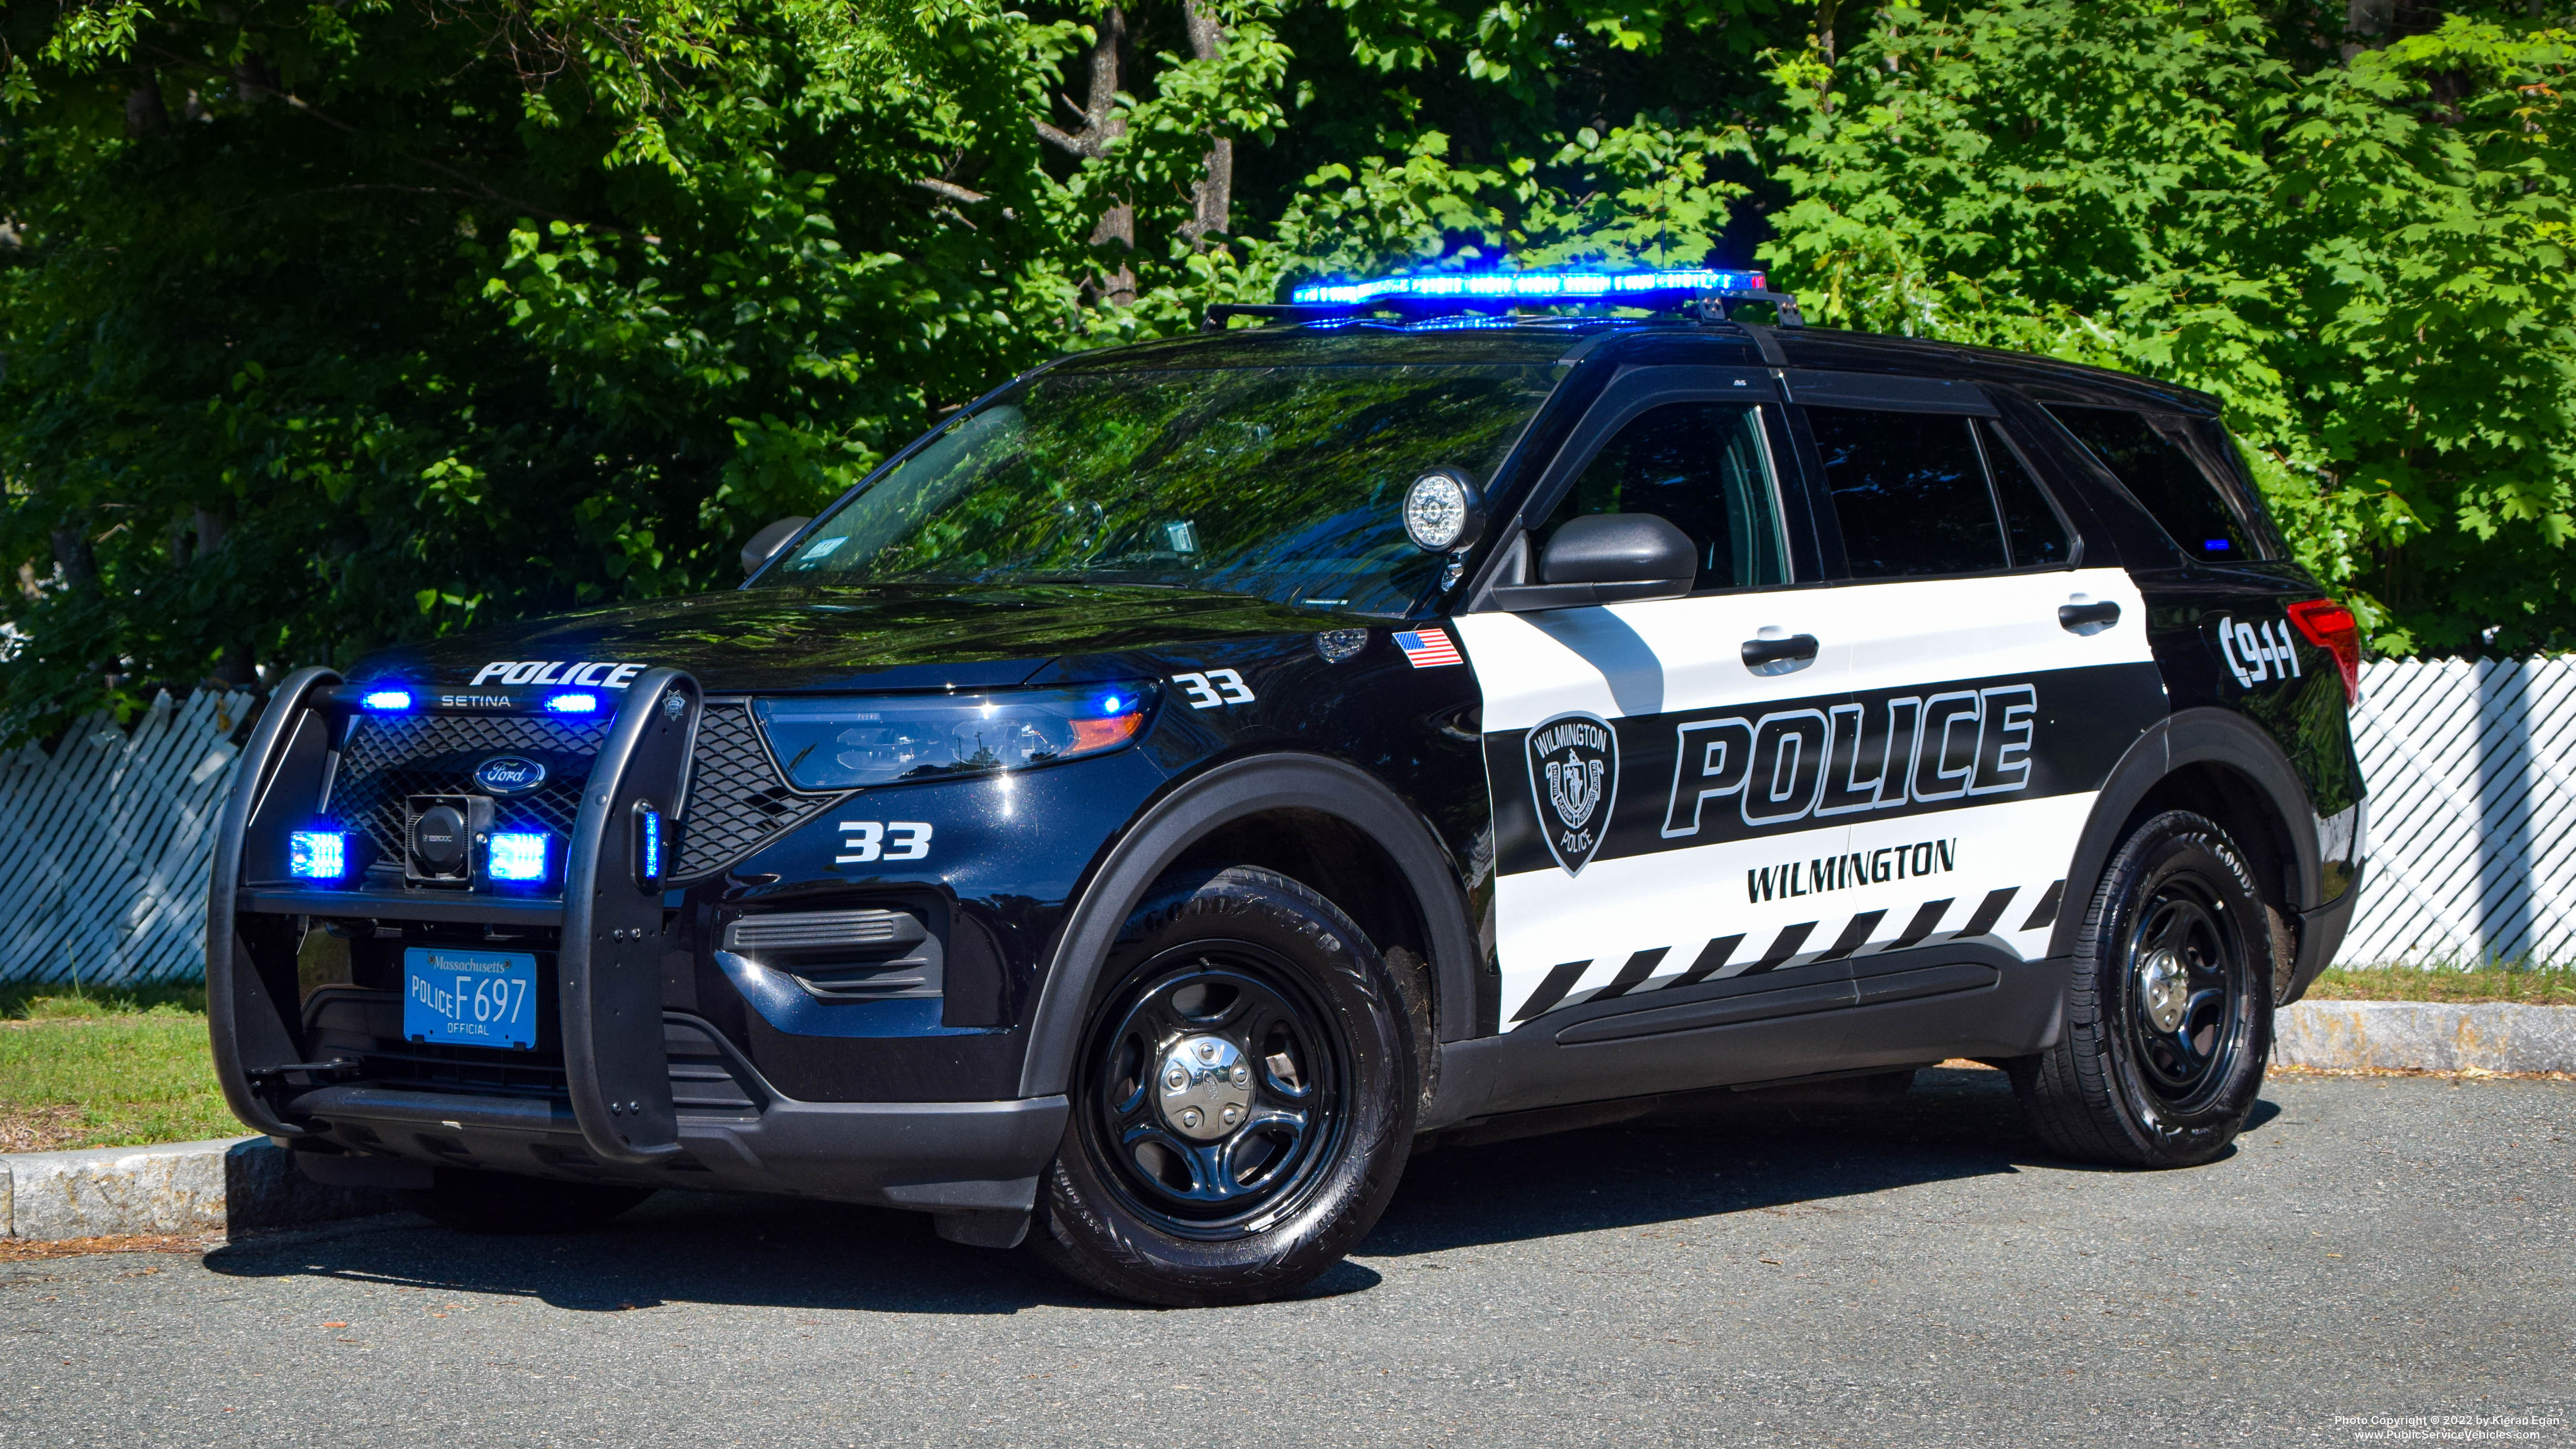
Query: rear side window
x=2038, y=536
x=2165, y=481
x=1909, y=491
x=1701, y=467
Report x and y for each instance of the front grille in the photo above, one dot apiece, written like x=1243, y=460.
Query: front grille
x=737, y=798
x=389, y=757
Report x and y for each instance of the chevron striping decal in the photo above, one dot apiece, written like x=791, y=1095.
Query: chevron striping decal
x=1636, y=975
x=2045, y=913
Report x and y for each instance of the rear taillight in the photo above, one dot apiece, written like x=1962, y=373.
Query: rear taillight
x=2331, y=627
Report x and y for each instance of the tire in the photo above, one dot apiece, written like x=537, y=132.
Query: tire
x=1279, y=1143
x=2169, y=1009
x=501, y=1202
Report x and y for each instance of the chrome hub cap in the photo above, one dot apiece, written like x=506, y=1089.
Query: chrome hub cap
x=1204, y=1089
x=2164, y=989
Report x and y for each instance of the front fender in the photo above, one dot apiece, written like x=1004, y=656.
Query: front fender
x=1205, y=803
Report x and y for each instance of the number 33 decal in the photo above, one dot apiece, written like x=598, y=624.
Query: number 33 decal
x=1217, y=686
x=884, y=840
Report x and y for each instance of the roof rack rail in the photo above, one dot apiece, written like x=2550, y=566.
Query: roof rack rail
x=1707, y=294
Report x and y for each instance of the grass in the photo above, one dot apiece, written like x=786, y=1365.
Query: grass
x=2524, y=984
x=106, y=1069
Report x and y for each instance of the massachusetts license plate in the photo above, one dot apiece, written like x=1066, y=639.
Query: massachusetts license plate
x=470, y=998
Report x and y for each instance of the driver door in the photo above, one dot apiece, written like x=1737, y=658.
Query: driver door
x=1655, y=765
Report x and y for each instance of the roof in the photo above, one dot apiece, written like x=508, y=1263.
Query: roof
x=1542, y=340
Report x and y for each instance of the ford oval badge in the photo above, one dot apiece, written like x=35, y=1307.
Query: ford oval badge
x=509, y=775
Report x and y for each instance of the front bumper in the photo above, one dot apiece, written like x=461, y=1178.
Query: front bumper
x=931, y=1156
x=606, y=1097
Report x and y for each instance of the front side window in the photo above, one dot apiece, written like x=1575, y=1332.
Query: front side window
x=1702, y=467
x=1909, y=492
x=1283, y=483
x=2164, y=480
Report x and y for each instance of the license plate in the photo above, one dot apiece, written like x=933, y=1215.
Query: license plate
x=470, y=998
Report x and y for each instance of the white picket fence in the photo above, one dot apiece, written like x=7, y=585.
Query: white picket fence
x=105, y=843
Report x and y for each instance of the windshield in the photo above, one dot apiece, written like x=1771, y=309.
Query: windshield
x=1285, y=483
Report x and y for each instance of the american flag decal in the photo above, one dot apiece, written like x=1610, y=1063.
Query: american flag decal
x=1428, y=649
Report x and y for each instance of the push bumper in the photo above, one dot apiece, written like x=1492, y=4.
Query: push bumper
x=609, y=1112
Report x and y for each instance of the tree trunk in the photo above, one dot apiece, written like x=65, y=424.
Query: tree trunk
x=2368, y=24
x=74, y=556
x=144, y=113
x=1106, y=125
x=1212, y=198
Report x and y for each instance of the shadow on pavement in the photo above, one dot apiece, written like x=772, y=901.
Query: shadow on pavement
x=1719, y=1155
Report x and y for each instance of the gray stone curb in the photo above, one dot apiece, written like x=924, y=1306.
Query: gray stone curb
x=2426, y=1036
x=228, y=1184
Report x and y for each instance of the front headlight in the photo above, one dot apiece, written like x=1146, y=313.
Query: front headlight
x=847, y=741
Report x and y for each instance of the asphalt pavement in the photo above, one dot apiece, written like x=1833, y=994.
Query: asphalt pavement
x=1907, y=1272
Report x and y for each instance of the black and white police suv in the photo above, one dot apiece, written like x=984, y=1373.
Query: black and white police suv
x=1202, y=773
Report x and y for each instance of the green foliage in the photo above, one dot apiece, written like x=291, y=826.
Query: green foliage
x=2367, y=261
x=328, y=325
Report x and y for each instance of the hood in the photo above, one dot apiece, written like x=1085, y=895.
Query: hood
x=823, y=639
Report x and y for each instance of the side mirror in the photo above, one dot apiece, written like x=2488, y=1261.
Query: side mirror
x=1607, y=558
x=765, y=544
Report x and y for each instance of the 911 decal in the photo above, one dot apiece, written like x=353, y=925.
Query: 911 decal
x=883, y=840
x=1217, y=686
x=2257, y=652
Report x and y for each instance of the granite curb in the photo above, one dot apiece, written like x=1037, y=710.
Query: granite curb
x=228, y=1183
x=2425, y=1036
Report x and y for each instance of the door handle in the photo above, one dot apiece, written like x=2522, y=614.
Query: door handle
x=2090, y=618
x=1780, y=656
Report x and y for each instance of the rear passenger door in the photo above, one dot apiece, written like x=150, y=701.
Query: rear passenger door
x=1996, y=677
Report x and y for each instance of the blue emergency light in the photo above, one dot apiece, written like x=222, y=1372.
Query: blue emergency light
x=317, y=854
x=573, y=703
x=648, y=846
x=1613, y=288
x=517, y=855
x=387, y=701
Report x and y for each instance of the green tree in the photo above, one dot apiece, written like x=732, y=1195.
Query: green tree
x=2366, y=259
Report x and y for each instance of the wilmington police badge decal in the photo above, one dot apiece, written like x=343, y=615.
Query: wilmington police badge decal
x=1574, y=780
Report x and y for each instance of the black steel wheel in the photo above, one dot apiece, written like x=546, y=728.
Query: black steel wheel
x=2168, y=1012
x=1217, y=1090
x=1243, y=1102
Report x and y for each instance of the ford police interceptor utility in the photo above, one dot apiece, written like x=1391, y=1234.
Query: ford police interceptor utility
x=1201, y=773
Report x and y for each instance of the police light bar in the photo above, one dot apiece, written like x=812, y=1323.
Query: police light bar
x=1615, y=288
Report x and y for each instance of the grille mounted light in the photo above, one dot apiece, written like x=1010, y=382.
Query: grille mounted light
x=518, y=856
x=317, y=854
x=648, y=846
x=573, y=703
x=386, y=701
